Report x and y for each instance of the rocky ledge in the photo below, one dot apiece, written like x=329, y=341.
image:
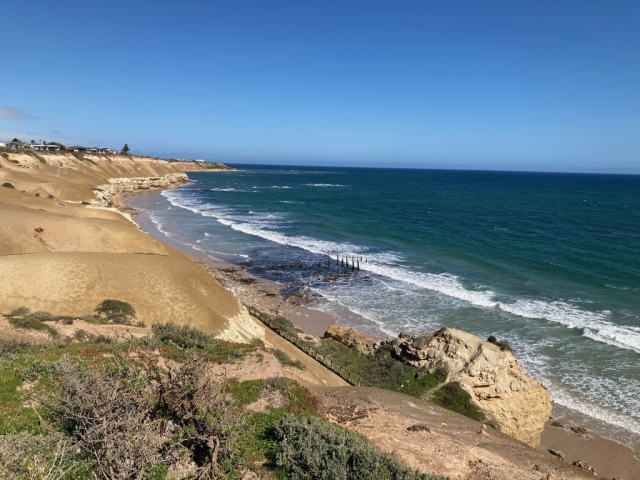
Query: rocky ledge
x=107, y=195
x=497, y=383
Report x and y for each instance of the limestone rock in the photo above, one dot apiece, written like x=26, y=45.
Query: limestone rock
x=108, y=194
x=353, y=339
x=497, y=383
x=557, y=453
x=584, y=466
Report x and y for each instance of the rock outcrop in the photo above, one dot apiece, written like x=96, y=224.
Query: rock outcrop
x=353, y=339
x=498, y=384
x=107, y=195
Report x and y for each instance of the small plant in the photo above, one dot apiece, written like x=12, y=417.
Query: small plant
x=312, y=448
x=5, y=155
x=284, y=359
x=503, y=344
x=43, y=316
x=20, y=312
x=29, y=323
x=453, y=397
x=86, y=203
x=116, y=311
x=181, y=336
x=8, y=185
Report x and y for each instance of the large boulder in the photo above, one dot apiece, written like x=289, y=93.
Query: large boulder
x=498, y=384
x=352, y=339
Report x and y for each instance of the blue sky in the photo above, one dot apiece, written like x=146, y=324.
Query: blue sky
x=517, y=85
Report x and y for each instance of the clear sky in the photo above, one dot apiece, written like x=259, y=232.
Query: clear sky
x=518, y=85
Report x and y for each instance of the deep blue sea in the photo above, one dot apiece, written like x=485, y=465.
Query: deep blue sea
x=550, y=262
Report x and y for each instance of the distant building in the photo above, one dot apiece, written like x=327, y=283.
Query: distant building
x=45, y=148
x=16, y=145
x=3, y=145
x=97, y=150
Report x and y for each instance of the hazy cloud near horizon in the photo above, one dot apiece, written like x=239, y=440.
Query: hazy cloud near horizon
x=12, y=113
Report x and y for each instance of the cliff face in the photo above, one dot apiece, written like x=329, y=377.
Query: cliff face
x=107, y=195
x=496, y=381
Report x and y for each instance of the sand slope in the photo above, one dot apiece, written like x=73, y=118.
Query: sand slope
x=66, y=257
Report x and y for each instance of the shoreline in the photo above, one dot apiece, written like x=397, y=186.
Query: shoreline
x=607, y=456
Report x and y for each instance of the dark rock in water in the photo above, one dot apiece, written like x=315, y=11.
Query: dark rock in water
x=557, y=453
x=579, y=430
x=584, y=466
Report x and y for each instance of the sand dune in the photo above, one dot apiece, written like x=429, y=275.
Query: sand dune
x=66, y=257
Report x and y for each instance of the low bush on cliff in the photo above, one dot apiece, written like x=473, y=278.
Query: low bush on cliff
x=312, y=448
x=453, y=397
x=135, y=410
x=503, y=344
x=8, y=185
x=181, y=336
x=116, y=311
x=381, y=370
x=30, y=323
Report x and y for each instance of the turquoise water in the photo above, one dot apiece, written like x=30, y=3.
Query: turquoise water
x=549, y=262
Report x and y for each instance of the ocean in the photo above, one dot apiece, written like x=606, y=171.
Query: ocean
x=549, y=262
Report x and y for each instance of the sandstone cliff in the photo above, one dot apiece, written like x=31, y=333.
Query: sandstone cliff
x=63, y=251
x=107, y=195
x=498, y=384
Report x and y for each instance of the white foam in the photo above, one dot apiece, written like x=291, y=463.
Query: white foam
x=594, y=324
x=227, y=190
x=324, y=185
x=574, y=402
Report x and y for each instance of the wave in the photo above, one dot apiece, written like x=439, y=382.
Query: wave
x=231, y=189
x=324, y=185
x=594, y=324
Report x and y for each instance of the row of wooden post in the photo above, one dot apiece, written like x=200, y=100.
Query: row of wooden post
x=350, y=377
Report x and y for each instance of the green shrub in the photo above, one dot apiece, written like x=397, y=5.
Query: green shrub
x=20, y=312
x=281, y=324
x=181, y=336
x=382, y=369
x=503, y=344
x=311, y=448
x=29, y=323
x=284, y=359
x=453, y=397
x=43, y=316
x=34, y=369
x=116, y=311
x=8, y=185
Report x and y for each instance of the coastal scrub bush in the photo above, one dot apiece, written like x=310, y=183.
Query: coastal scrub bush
x=313, y=448
x=52, y=456
x=116, y=311
x=285, y=359
x=503, y=344
x=281, y=324
x=20, y=312
x=381, y=370
x=181, y=336
x=453, y=397
x=8, y=185
x=29, y=323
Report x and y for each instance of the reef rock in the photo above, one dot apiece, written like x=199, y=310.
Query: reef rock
x=352, y=339
x=497, y=383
